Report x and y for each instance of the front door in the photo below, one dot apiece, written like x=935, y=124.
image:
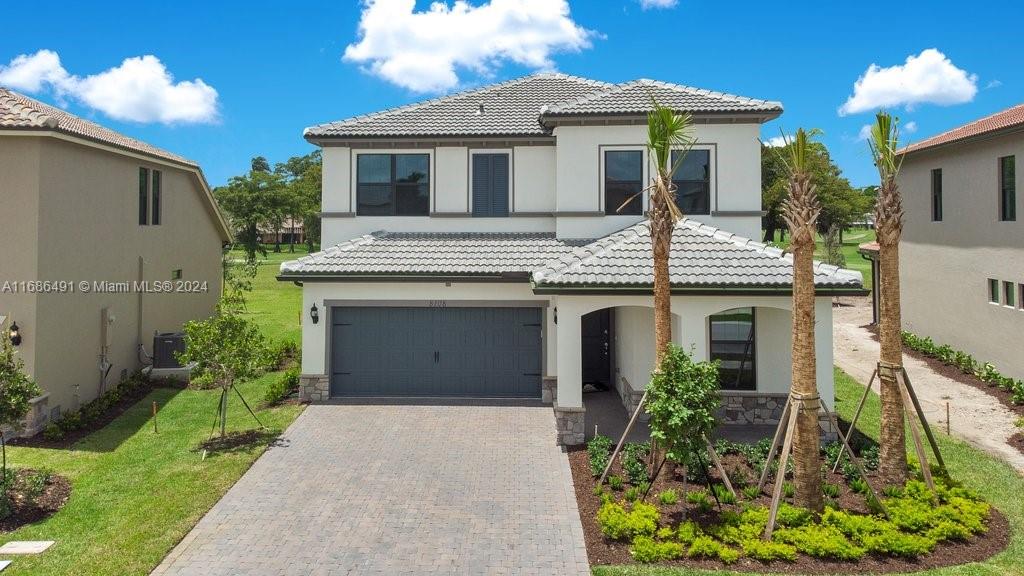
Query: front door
x=596, y=348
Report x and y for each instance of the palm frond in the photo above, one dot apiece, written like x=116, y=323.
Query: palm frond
x=884, y=143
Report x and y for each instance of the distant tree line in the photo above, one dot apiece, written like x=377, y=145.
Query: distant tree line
x=265, y=199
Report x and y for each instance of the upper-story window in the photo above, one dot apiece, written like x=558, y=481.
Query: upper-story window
x=693, y=181
x=490, y=182
x=623, y=182
x=1007, y=189
x=393, y=184
x=937, y=195
x=143, y=196
x=157, y=201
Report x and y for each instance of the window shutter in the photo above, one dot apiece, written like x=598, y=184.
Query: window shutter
x=499, y=184
x=482, y=185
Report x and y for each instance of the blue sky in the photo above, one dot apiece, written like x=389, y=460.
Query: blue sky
x=255, y=74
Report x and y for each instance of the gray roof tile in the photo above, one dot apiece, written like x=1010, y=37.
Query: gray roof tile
x=433, y=254
x=635, y=98
x=702, y=256
x=21, y=112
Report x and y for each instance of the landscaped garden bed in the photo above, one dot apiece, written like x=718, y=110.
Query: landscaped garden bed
x=680, y=524
x=28, y=496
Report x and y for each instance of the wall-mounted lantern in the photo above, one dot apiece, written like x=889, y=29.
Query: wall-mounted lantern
x=556, y=315
x=15, y=334
x=314, y=314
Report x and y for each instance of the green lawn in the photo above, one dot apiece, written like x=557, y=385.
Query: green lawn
x=136, y=493
x=851, y=239
x=995, y=480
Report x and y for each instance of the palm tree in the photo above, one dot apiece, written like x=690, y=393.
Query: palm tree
x=800, y=210
x=888, y=229
x=667, y=131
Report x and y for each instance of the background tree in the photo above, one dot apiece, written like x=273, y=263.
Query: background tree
x=16, y=390
x=252, y=201
x=801, y=210
x=883, y=143
x=302, y=180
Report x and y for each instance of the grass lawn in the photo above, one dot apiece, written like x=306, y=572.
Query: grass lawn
x=135, y=493
x=994, y=480
x=851, y=239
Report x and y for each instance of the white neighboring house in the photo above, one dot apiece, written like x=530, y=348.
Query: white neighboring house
x=478, y=249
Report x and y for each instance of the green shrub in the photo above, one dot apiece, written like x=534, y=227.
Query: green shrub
x=282, y=387
x=618, y=524
x=860, y=486
x=668, y=497
x=682, y=398
x=895, y=543
x=704, y=547
x=646, y=550
x=792, y=516
x=598, y=452
x=768, y=551
x=724, y=495
x=728, y=555
x=615, y=482
x=687, y=532
x=751, y=492
x=632, y=494
x=34, y=484
x=788, y=490
x=6, y=506
x=820, y=542
x=700, y=499
x=665, y=533
x=830, y=490
x=948, y=530
x=53, y=432
x=598, y=490
x=634, y=463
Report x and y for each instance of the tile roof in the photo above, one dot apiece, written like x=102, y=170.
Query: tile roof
x=635, y=98
x=432, y=254
x=1009, y=118
x=517, y=108
x=509, y=108
x=20, y=112
x=702, y=257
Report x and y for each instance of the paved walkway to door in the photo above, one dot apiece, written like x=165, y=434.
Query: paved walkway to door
x=398, y=489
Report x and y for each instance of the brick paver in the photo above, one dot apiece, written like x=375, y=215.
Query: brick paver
x=397, y=489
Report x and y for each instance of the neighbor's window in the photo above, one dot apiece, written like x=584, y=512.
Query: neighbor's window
x=157, y=206
x=732, y=343
x=1007, y=189
x=937, y=195
x=176, y=274
x=693, y=181
x=1020, y=290
x=623, y=182
x=143, y=196
x=1008, y=295
x=393, y=184
x=993, y=290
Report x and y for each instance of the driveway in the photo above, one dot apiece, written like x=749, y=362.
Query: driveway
x=398, y=489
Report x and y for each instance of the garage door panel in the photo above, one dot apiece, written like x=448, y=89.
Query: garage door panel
x=421, y=351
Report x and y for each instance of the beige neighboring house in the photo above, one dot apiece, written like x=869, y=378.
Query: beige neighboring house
x=87, y=212
x=962, y=255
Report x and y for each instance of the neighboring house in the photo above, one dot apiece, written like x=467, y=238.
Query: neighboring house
x=492, y=243
x=291, y=232
x=962, y=254
x=85, y=206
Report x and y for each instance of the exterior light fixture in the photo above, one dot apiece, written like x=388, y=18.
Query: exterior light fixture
x=15, y=334
x=556, y=315
x=314, y=314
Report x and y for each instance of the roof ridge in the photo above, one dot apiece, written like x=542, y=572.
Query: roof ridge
x=622, y=86
x=455, y=96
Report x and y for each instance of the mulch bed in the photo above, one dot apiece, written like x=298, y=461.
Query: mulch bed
x=1017, y=441
x=54, y=495
x=601, y=551
x=954, y=373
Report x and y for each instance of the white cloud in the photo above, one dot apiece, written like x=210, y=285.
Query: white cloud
x=927, y=78
x=141, y=89
x=649, y=4
x=422, y=51
x=777, y=141
x=993, y=84
x=910, y=127
x=865, y=133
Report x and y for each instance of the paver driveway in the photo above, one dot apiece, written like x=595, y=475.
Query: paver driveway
x=398, y=489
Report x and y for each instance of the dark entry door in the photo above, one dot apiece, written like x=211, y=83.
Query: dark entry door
x=596, y=348
x=413, y=351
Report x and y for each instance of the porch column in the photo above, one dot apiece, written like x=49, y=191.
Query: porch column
x=568, y=404
x=693, y=332
x=823, y=349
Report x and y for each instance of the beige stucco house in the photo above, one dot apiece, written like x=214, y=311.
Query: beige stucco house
x=962, y=255
x=493, y=243
x=87, y=213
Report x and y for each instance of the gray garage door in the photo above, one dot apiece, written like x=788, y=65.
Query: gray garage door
x=470, y=352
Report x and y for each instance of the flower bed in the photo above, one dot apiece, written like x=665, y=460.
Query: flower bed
x=27, y=496
x=680, y=523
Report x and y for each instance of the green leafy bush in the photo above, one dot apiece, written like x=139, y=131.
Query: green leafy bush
x=682, y=399
x=820, y=541
x=687, y=532
x=724, y=495
x=751, y=492
x=788, y=490
x=53, y=432
x=792, y=516
x=618, y=524
x=598, y=452
x=646, y=550
x=634, y=463
x=704, y=547
x=668, y=497
x=283, y=387
x=830, y=490
x=768, y=551
x=632, y=494
x=700, y=499
x=615, y=482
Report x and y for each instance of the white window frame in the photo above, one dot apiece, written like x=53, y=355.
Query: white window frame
x=511, y=176
x=645, y=177
x=354, y=178
x=712, y=173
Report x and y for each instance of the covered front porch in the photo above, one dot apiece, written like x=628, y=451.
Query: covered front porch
x=607, y=342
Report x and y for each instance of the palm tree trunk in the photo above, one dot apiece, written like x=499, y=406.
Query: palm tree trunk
x=662, y=225
x=893, y=456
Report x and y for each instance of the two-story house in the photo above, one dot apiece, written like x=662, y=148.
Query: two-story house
x=493, y=243
x=963, y=226
x=107, y=240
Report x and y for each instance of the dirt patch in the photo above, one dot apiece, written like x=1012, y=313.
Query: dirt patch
x=1017, y=441
x=26, y=508
x=237, y=441
x=601, y=551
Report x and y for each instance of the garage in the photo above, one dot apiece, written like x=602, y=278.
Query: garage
x=471, y=352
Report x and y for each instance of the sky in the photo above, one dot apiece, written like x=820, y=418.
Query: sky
x=221, y=82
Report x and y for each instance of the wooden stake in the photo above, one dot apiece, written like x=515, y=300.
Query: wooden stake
x=718, y=465
x=948, y=432
x=926, y=469
x=860, y=467
x=779, y=431
x=856, y=416
x=618, y=447
x=780, y=475
x=155, y=430
x=920, y=415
